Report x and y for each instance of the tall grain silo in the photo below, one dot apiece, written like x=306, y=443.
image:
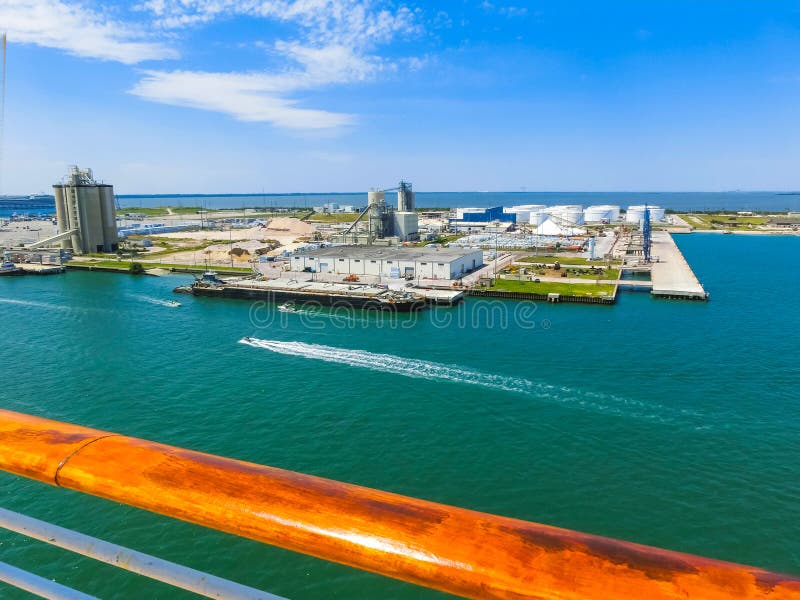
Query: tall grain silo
x=378, y=215
x=405, y=197
x=86, y=208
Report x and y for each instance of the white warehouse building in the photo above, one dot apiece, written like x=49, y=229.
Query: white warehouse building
x=434, y=263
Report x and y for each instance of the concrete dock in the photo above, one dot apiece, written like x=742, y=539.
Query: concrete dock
x=671, y=275
x=440, y=296
x=41, y=269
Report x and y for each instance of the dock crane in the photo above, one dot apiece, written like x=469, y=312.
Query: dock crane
x=647, y=238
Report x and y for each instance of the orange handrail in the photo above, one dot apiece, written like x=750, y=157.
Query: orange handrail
x=451, y=549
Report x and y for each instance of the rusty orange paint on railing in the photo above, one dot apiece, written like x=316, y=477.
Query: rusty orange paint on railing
x=451, y=549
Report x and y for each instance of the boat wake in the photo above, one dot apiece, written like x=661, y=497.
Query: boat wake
x=34, y=304
x=339, y=316
x=158, y=301
x=432, y=371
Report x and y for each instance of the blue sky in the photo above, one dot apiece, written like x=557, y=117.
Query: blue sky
x=207, y=96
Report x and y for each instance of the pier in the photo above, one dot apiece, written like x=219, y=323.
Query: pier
x=671, y=275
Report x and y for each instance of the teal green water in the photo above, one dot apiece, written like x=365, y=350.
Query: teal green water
x=669, y=423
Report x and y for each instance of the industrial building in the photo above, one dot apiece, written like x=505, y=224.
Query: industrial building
x=384, y=224
x=484, y=215
x=434, y=263
x=333, y=208
x=85, y=215
x=479, y=219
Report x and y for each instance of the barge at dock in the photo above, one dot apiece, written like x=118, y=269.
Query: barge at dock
x=301, y=293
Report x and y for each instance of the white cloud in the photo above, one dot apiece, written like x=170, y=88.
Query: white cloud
x=335, y=46
x=349, y=22
x=262, y=97
x=505, y=10
x=77, y=30
x=334, y=43
x=246, y=97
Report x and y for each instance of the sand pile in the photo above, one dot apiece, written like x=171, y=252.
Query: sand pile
x=242, y=251
x=290, y=226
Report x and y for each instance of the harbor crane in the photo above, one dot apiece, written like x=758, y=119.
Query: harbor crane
x=647, y=237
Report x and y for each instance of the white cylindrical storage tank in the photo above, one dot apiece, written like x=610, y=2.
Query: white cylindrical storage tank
x=528, y=207
x=635, y=214
x=602, y=213
x=571, y=214
x=537, y=217
x=523, y=211
x=596, y=214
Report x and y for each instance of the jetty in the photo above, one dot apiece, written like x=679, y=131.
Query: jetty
x=671, y=275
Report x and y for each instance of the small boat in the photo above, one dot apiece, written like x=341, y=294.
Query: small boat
x=9, y=268
x=288, y=307
x=173, y=304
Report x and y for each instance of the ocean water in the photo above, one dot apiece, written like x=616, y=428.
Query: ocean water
x=680, y=201
x=669, y=423
x=774, y=201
